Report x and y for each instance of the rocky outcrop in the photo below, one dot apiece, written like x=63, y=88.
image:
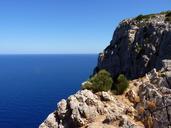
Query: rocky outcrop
x=155, y=101
x=146, y=103
x=138, y=46
x=87, y=110
x=140, y=49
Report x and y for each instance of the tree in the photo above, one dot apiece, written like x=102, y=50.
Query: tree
x=121, y=84
x=102, y=81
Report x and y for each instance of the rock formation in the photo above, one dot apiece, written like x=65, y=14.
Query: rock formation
x=87, y=110
x=140, y=49
x=138, y=45
x=146, y=103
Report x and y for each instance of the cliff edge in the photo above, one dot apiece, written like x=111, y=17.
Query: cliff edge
x=138, y=45
x=141, y=50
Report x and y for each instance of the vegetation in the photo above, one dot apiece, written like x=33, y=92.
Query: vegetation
x=144, y=17
x=139, y=17
x=87, y=85
x=166, y=12
x=138, y=48
x=147, y=17
x=167, y=16
x=151, y=104
x=121, y=84
x=168, y=19
x=148, y=121
x=141, y=110
x=102, y=81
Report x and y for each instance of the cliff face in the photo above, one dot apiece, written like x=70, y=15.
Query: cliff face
x=138, y=45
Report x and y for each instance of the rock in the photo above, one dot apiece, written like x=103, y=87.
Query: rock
x=87, y=109
x=110, y=118
x=138, y=47
x=50, y=122
x=131, y=96
x=105, y=96
x=62, y=108
x=156, y=101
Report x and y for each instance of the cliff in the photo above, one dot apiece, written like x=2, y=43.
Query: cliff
x=140, y=49
x=138, y=45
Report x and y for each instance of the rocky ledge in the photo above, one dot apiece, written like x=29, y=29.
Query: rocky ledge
x=87, y=110
x=146, y=103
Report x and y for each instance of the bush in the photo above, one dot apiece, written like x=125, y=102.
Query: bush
x=168, y=14
x=87, y=85
x=121, y=84
x=139, y=18
x=102, y=81
x=144, y=17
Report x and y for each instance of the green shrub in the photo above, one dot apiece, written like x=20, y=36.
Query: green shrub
x=168, y=14
x=139, y=17
x=121, y=84
x=168, y=19
x=165, y=12
x=102, y=81
x=87, y=85
x=144, y=17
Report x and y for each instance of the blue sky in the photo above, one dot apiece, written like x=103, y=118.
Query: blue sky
x=66, y=26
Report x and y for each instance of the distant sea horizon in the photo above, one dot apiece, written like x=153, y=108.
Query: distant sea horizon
x=32, y=84
x=49, y=53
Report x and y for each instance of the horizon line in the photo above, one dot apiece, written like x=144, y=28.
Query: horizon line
x=48, y=53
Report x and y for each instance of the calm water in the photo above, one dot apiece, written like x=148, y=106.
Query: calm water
x=31, y=85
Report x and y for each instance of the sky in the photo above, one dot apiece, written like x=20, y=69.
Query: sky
x=66, y=26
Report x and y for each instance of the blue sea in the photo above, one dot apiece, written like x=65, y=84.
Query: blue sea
x=31, y=85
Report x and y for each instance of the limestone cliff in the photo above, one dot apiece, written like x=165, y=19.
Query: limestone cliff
x=138, y=45
x=141, y=49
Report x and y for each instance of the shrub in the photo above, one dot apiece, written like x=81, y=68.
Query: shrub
x=168, y=16
x=102, y=81
x=121, y=84
x=165, y=12
x=87, y=85
x=144, y=17
x=168, y=19
x=139, y=17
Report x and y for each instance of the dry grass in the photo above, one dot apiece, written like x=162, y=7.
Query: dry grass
x=141, y=110
x=151, y=104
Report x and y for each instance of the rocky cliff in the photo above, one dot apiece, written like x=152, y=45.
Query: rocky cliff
x=138, y=45
x=140, y=49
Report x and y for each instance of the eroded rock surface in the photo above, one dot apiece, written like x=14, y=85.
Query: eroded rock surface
x=156, y=101
x=88, y=110
x=137, y=47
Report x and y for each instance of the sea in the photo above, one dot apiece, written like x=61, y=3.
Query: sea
x=31, y=85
